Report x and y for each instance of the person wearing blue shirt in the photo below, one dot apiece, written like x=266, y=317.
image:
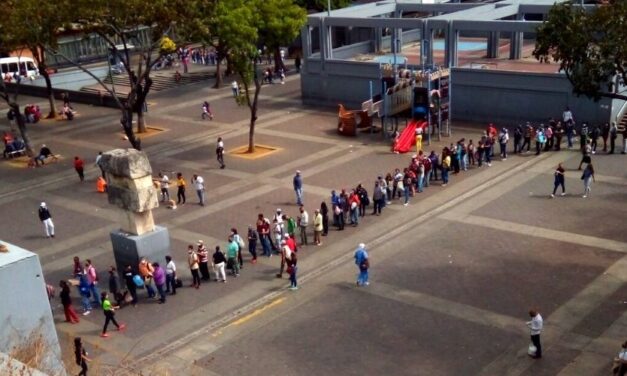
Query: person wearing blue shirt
x=363, y=263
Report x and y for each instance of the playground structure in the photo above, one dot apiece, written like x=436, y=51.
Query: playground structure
x=422, y=94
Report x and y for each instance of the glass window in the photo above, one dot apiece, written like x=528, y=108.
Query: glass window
x=13, y=67
x=5, y=68
x=31, y=66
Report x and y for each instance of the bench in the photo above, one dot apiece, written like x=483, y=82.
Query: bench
x=53, y=157
x=15, y=153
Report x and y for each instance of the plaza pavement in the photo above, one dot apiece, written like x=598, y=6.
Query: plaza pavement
x=453, y=274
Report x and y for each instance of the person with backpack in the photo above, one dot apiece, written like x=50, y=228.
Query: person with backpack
x=363, y=200
x=363, y=264
x=130, y=284
x=92, y=278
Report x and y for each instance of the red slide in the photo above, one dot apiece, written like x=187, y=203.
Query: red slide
x=407, y=138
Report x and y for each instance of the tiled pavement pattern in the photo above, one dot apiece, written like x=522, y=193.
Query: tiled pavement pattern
x=452, y=275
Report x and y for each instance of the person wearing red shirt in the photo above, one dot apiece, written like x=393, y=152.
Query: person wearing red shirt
x=79, y=166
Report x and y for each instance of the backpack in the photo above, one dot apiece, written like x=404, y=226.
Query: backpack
x=139, y=282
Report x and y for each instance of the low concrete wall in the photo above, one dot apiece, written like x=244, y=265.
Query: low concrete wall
x=345, y=82
x=75, y=96
x=513, y=97
x=72, y=79
x=477, y=95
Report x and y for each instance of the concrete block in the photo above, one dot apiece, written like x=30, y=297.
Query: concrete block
x=128, y=249
x=128, y=163
x=24, y=306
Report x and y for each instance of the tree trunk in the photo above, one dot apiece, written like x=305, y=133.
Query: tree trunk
x=21, y=125
x=141, y=123
x=53, y=104
x=218, y=82
x=253, y=114
x=127, y=126
x=278, y=62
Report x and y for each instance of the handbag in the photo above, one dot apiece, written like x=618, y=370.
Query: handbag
x=531, y=350
x=178, y=283
x=139, y=282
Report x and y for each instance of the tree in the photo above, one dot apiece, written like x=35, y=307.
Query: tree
x=279, y=24
x=34, y=24
x=133, y=30
x=591, y=46
x=320, y=5
x=260, y=17
x=220, y=24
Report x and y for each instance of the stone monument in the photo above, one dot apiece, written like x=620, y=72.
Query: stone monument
x=130, y=187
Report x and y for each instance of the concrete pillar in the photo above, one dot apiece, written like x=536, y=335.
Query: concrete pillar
x=493, y=44
x=516, y=42
x=305, y=37
x=329, y=31
x=378, y=39
x=427, y=44
x=452, y=49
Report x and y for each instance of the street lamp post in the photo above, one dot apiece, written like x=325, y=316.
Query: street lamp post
x=329, y=8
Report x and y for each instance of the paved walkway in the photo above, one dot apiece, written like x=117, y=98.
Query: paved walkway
x=452, y=278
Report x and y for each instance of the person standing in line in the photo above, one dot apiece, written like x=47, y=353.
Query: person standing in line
x=559, y=180
x=231, y=254
x=363, y=264
x=317, y=223
x=252, y=243
x=588, y=178
x=170, y=276
x=324, y=211
x=605, y=134
x=81, y=356
x=291, y=270
x=418, y=139
x=199, y=185
x=286, y=253
x=108, y=310
x=66, y=301
x=180, y=185
x=377, y=199
x=83, y=289
x=527, y=131
x=540, y=139
x=130, y=284
x=146, y=272
x=159, y=277
x=114, y=286
x=263, y=229
x=220, y=153
x=92, y=279
x=46, y=218
x=219, y=264
x=164, y=184
x=559, y=133
x=298, y=188
x=535, y=327
x=594, y=137
x=79, y=166
x=503, y=139
x=240, y=245
x=446, y=165
x=99, y=164
x=303, y=222
x=192, y=261
x=203, y=261
x=518, y=133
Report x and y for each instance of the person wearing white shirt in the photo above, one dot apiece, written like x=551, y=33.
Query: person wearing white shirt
x=303, y=222
x=164, y=184
x=199, y=185
x=567, y=117
x=170, y=275
x=535, y=326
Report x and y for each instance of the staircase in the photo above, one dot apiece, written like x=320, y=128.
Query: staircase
x=161, y=80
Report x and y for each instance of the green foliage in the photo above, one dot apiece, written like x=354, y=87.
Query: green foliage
x=591, y=47
x=320, y=5
x=279, y=21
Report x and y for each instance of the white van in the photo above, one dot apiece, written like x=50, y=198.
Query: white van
x=9, y=65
